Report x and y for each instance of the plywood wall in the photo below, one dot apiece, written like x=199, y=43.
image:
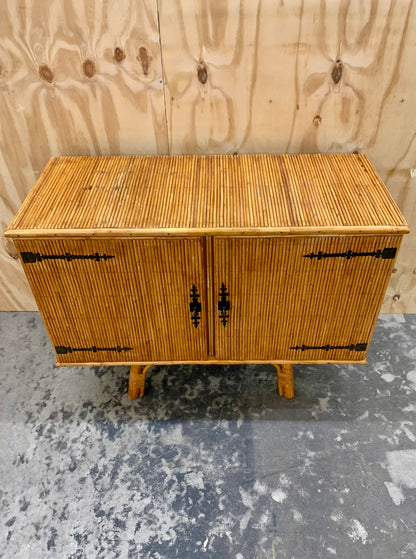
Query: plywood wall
x=207, y=76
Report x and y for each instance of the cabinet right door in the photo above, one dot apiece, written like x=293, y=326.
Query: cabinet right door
x=299, y=298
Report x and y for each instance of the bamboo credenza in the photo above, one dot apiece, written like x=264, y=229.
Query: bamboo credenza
x=145, y=260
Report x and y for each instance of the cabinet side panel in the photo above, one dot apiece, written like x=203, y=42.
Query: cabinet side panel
x=119, y=300
x=305, y=298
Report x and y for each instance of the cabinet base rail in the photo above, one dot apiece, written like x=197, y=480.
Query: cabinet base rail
x=137, y=380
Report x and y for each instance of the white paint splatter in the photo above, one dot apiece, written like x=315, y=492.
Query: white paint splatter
x=411, y=377
x=284, y=480
x=279, y=496
x=395, y=492
x=410, y=407
x=323, y=404
x=310, y=435
x=264, y=521
x=296, y=515
x=173, y=435
x=247, y=498
x=363, y=416
x=388, y=377
x=407, y=431
x=195, y=479
x=336, y=516
x=261, y=488
x=358, y=532
x=339, y=436
x=382, y=417
x=402, y=467
x=245, y=520
x=332, y=550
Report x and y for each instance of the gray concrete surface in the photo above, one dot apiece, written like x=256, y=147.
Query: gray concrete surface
x=211, y=463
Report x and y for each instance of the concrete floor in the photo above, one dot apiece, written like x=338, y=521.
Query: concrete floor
x=211, y=463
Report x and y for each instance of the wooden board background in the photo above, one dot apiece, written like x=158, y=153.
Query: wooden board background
x=207, y=76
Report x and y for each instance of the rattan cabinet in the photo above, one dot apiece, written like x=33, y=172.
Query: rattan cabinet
x=209, y=259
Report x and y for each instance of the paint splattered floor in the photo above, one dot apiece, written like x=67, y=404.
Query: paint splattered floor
x=211, y=463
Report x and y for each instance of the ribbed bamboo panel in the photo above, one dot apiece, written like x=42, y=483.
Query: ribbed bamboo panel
x=282, y=299
x=271, y=258
x=135, y=295
x=169, y=194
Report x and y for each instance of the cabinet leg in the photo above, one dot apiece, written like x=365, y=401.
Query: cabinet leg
x=285, y=380
x=137, y=381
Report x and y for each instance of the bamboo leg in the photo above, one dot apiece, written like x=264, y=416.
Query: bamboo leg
x=285, y=380
x=137, y=381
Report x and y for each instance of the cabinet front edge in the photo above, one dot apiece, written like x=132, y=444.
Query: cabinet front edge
x=165, y=232
x=211, y=362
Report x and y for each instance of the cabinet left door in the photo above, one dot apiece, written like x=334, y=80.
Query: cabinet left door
x=120, y=300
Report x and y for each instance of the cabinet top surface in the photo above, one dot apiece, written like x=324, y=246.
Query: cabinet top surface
x=115, y=195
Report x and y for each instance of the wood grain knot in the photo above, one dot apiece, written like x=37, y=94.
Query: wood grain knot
x=336, y=73
x=317, y=119
x=119, y=55
x=202, y=72
x=144, y=60
x=46, y=73
x=89, y=68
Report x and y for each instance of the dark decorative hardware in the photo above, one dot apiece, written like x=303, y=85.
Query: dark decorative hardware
x=356, y=347
x=223, y=305
x=61, y=350
x=195, y=306
x=31, y=257
x=386, y=254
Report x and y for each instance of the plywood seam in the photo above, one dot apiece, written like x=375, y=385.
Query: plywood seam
x=163, y=75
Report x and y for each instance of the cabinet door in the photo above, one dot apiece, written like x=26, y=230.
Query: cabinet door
x=299, y=298
x=106, y=300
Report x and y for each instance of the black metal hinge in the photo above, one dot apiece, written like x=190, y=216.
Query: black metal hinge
x=353, y=347
x=195, y=306
x=223, y=304
x=32, y=257
x=386, y=254
x=61, y=350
